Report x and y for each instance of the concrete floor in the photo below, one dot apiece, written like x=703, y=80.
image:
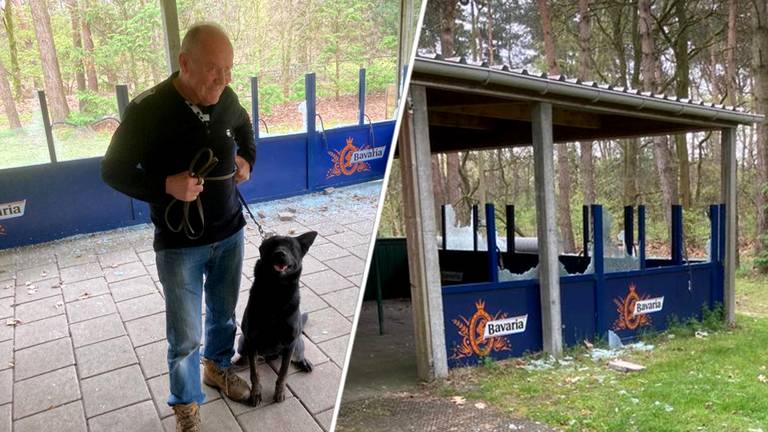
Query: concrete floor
x=82, y=330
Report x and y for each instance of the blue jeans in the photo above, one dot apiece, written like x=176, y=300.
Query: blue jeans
x=181, y=273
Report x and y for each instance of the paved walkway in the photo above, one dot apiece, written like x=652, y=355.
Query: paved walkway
x=82, y=326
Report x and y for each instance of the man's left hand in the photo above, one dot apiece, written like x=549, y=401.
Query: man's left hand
x=243, y=172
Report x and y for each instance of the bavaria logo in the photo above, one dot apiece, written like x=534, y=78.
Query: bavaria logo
x=368, y=154
x=12, y=209
x=647, y=306
x=505, y=326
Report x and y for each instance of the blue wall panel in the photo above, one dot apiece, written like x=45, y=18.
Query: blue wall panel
x=279, y=170
x=577, y=303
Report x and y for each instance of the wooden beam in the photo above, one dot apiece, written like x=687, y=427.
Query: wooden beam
x=549, y=272
x=171, y=31
x=728, y=195
x=522, y=111
x=421, y=235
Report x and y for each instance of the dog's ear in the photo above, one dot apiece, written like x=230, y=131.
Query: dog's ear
x=306, y=240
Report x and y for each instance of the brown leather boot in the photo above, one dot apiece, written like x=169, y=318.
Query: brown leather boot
x=226, y=380
x=187, y=417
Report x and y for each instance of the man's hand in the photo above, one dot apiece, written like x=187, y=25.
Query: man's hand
x=183, y=186
x=243, y=172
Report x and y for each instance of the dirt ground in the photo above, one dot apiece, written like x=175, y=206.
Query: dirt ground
x=382, y=392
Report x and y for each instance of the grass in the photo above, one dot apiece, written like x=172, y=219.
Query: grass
x=715, y=383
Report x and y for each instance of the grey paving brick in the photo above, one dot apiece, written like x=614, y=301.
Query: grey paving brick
x=141, y=417
x=152, y=270
x=5, y=418
x=6, y=307
x=147, y=330
x=67, y=417
x=344, y=301
x=363, y=227
x=125, y=271
x=324, y=418
x=84, y=289
x=216, y=416
x=360, y=251
x=35, y=256
x=287, y=416
x=37, y=273
x=37, y=290
x=245, y=284
x=28, y=334
x=311, y=265
x=113, y=390
x=336, y=349
x=131, y=288
x=6, y=354
x=160, y=387
x=81, y=272
x=348, y=239
x=153, y=358
x=327, y=251
x=311, y=301
x=317, y=390
x=6, y=386
x=141, y=306
x=250, y=250
x=96, y=330
x=44, y=358
x=75, y=258
x=91, y=307
x=326, y=324
x=6, y=331
x=325, y=281
x=147, y=257
x=37, y=310
x=115, y=258
x=44, y=391
x=7, y=288
x=347, y=266
x=267, y=378
x=105, y=356
x=311, y=353
x=327, y=229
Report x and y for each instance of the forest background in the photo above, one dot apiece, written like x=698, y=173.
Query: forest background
x=78, y=50
x=710, y=50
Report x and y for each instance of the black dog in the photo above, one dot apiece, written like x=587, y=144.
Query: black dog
x=272, y=322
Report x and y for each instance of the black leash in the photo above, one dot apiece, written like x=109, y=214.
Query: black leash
x=248, y=209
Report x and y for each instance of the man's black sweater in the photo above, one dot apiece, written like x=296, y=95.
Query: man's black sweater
x=158, y=137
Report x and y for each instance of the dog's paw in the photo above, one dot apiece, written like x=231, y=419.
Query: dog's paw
x=255, y=399
x=279, y=395
x=304, y=365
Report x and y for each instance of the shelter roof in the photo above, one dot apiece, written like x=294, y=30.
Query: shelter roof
x=475, y=106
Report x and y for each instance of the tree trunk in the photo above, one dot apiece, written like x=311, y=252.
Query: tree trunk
x=454, y=184
x=760, y=68
x=730, y=55
x=74, y=13
x=92, y=80
x=682, y=85
x=447, y=25
x=10, y=30
x=489, y=30
x=7, y=97
x=549, y=42
x=585, y=73
x=477, y=52
x=630, y=147
x=54, y=89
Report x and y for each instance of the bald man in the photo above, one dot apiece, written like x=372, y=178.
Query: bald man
x=183, y=146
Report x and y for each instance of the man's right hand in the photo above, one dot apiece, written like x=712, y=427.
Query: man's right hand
x=183, y=186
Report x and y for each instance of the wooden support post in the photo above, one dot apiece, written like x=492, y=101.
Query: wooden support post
x=444, y=225
x=475, y=223
x=585, y=229
x=510, y=230
x=47, y=126
x=421, y=234
x=361, y=96
x=121, y=91
x=598, y=257
x=171, y=31
x=490, y=231
x=677, y=234
x=728, y=194
x=255, y=107
x=311, y=113
x=641, y=234
x=629, y=229
x=549, y=274
x=714, y=253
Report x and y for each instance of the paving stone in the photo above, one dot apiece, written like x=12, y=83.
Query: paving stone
x=141, y=417
x=325, y=418
x=105, y=356
x=360, y=251
x=311, y=353
x=125, y=271
x=37, y=310
x=35, y=256
x=6, y=354
x=6, y=331
x=348, y=239
x=91, y=307
x=67, y=418
x=38, y=273
x=147, y=330
x=5, y=418
x=141, y=306
x=7, y=288
x=160, y=387
x=96, y=330
x=28, y=334
x=6, y=307
x=326, y=324
x=289, y=415
x=131, y=288
x=6, y=386
x=327, y=229
x=81, y=272
x=311, y=301
x=336, y=349
x=216, y=416
x=152, y=270
x=153, y=358
x=317, y=390
x=325, y=281
x=100, y=395
x=114, y=259
x=344, y=301
x=327, y=251
x=363, y=227
x=245, y=284
x=147, y=257
x=267, y=378
x=356, y=280
x=71, y=259
x=311, y=265
x=250, y=250
x=44, y=391
x=85, y=289
x=57, y=354
x=347, y=266
x=37, y=290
